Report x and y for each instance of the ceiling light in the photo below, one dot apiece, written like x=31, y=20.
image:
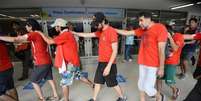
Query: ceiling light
x=198, y=3
x=181, y=6
x=3, y=15
x=11, y=17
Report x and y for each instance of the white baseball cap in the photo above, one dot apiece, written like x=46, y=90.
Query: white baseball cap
x=171, y=23
x=59, y=22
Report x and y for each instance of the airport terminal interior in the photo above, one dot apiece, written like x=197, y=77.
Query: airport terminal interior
x=121, y=14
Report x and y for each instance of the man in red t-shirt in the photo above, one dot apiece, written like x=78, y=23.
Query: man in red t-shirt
x=151, y=54
x=67, y=52
x=42, y=60
x=194, y=95
x=7, y=88
x=174, y=48
x=107, y=52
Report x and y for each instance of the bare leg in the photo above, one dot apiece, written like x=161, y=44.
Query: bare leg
x=38, y=90
x=159, y=85
x=65, y=92
x=6, y=98
x=183, y=66
x=87, y=81
x=142, y=96
x=158, y=96
x=96, y=90
x=13, y=93
x=52, y=84
x=119, y=91
x=174, y=91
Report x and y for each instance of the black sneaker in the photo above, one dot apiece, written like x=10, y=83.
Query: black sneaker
x=91, y=100
x=122, y=99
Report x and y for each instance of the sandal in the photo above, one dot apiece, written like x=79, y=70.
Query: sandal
x=175, y=96
x=41, y=99
x=51, y=98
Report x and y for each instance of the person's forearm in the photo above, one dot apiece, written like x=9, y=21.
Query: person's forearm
x=112, y=58
x=84, y=34
x=7, y=38
x=47, y=39
x=162, y=54
x=173, y=44
x=162, y=60
x=125, y=32
x=114, y=54
x=188, y=37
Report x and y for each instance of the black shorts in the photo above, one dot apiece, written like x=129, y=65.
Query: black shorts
x=110, y=80
x=6, y=81
x=41, y=72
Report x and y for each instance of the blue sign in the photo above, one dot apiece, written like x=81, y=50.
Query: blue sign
x=81, y=12
x=109, y=12
x=65, y=12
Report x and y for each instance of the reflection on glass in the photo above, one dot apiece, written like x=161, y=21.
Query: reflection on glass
x=118, y=24
x=78, y=27
x=94, y=44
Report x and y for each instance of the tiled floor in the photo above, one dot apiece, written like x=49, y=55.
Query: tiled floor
x=82, y=92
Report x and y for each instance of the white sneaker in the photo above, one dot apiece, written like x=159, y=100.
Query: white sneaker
x=130, y=60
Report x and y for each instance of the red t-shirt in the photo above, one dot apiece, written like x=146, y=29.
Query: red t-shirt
x=39, y=49
x=69, y=45
x=174, y=56
x=22, y=47
x=106, y=38
x=148, y=52
x=198, y=37
x=5, y=62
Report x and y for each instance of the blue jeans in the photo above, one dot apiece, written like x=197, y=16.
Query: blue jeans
x=127, y=54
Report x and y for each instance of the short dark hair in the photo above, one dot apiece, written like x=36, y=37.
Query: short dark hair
x=15, y=23
x=21, y=30
x=145, y=14
x=193, y=19
x=34, y=24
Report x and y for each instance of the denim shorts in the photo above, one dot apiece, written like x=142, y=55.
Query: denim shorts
x=72, y=73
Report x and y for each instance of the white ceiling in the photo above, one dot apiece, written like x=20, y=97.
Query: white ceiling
x=137, y=4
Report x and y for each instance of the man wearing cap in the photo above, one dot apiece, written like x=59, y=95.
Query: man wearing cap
x=175, y=45
x=151, y=55
x=108, y=44
x=67, y=54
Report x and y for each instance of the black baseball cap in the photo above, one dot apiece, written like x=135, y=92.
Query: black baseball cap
x=99, y=17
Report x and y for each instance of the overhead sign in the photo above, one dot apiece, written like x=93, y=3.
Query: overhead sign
x=65, y=12
x=109, y=12
x=81, y=12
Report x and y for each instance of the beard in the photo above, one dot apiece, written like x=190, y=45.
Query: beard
x=100, y=29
